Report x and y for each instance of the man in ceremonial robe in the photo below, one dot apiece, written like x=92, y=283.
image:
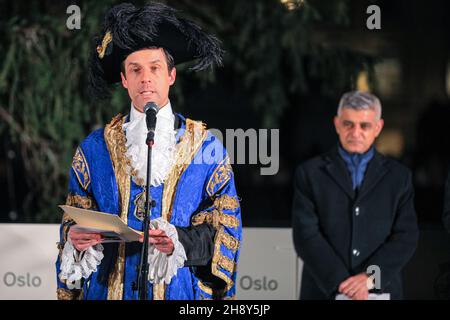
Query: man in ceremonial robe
x=195, y=243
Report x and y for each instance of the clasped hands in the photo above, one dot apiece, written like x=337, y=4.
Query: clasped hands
x=357, y=287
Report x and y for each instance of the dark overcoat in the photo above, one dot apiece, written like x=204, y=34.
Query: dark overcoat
x=339, y=232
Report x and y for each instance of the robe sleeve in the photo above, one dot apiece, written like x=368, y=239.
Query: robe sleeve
x=221, y=224
x=79, y=196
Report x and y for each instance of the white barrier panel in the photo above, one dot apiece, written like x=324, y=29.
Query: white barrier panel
x=28, y=253
x=267, y=267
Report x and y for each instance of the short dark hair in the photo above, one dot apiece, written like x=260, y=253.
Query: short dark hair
x=169, y=59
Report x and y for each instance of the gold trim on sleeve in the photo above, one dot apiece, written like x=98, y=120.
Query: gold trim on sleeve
x=205, y=289
x=65, y=223
x=221, y=175
x=226, y=263
x=215, y=218
x=209, y=291
x=226, y=202
x=76, y=200
x=220, y=260
x=81, y=168
x=230, y=242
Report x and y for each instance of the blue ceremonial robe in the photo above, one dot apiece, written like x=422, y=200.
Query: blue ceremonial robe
x=199, y=191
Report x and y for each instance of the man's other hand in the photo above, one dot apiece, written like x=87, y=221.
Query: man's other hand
x=161, y=241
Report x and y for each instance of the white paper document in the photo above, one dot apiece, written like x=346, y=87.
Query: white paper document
x=112, y=228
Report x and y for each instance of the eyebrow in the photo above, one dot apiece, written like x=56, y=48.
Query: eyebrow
x=138, y=64
x=361, y=123
x=133, y=64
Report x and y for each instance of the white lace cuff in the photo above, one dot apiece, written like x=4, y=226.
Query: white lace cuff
x=162, y=267
x=76, y=265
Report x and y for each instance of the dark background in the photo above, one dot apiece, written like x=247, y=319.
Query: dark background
x=287, y=63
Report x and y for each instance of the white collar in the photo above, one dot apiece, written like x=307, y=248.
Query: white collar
x=164, y=112
x=163, y=151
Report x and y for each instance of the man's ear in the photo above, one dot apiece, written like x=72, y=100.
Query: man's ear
x=380, y=125
x=124, y=80
x=172, y=76
x=336, y=123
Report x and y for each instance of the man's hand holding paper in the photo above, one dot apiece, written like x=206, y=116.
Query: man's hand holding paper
x=83, y=240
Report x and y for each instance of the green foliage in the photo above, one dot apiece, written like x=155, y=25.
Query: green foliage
x=273, y=52
x=44, y=106
x=45, y=109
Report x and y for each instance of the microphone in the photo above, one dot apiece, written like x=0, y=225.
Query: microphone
x=151, y=109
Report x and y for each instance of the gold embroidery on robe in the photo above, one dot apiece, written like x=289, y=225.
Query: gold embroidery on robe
x=215, y=218
x=230, y=242
x=220, y=261
x=81, y=168
x=189, y=144
x=226, y=202
x=219, y=258
x=115, y=141
x=221, y=175
x=209, y=291
x=76, y=200
x=66, y=294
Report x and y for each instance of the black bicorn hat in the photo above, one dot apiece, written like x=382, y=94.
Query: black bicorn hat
x=127, y=28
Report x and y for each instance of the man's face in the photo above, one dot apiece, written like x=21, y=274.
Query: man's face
x=357, y=129
x=147, y=78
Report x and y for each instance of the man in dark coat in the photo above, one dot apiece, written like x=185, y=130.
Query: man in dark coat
x=354, y=222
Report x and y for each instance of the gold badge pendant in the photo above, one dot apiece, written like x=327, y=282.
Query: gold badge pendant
x=139, y=205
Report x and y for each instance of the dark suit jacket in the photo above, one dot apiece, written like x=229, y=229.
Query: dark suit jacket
x=339, y=233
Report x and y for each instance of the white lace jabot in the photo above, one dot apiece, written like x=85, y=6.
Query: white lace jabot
x=163, y=150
